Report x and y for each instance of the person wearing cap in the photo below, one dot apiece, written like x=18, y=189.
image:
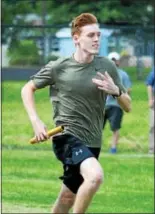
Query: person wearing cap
x=150, y=82
x=113, y=111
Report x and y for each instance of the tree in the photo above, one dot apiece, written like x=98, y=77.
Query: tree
x=113, y=11
x=62, y=11
x=54, y=12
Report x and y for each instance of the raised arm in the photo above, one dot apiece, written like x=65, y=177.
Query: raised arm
x=106, y=83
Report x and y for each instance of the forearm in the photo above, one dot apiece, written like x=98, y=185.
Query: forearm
x=27, y=95
x=107, y=84
x=125, y=102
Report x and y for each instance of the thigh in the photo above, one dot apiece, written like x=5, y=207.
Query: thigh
x=72, y=152
x=65, y=192
x=72, y=177
x=90, y=168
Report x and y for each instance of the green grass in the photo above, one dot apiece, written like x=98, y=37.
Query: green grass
x=30, y=179
x=30, y=173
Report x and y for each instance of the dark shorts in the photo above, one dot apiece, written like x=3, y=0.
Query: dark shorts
x=71, y=152
x=114, y=115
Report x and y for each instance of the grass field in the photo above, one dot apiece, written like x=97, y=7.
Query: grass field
x=30, y=181
x=30, y=173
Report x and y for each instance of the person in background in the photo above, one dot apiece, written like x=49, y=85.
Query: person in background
x=113, y=111
x=150, y=82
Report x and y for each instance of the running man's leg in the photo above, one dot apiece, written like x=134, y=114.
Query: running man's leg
x=64, y=201
x=92, y=173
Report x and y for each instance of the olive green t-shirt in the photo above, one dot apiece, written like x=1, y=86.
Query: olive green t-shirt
x=78, y=104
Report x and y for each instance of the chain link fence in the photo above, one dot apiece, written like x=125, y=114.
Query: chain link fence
x=36, y=45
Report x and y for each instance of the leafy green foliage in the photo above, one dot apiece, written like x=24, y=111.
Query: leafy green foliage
x=25, y=53
x=106, y=11
x=14, y=12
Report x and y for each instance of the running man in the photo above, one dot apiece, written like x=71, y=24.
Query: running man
x=78, y=87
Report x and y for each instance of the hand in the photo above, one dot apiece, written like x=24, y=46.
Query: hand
x=40, y=130
x=151, y=103
x=106, y=83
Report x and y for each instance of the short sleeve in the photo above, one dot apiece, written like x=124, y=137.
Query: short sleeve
x=44, y=77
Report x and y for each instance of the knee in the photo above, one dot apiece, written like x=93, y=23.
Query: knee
x=95, y=179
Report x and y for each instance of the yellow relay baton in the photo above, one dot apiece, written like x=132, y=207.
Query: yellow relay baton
x=49, y=133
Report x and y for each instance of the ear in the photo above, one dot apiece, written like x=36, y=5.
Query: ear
x=76, y=39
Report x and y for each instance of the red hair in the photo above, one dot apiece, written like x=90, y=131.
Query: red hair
x=82, y=20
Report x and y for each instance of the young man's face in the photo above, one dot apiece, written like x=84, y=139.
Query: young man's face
x=89, y=39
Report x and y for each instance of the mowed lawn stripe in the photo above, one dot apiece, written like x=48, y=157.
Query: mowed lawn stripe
x=30, y=178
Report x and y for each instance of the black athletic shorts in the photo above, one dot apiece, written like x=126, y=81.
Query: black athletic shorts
x=71, y=152
x=114, y=115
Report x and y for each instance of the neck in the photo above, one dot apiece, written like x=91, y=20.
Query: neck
x=83, y=57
